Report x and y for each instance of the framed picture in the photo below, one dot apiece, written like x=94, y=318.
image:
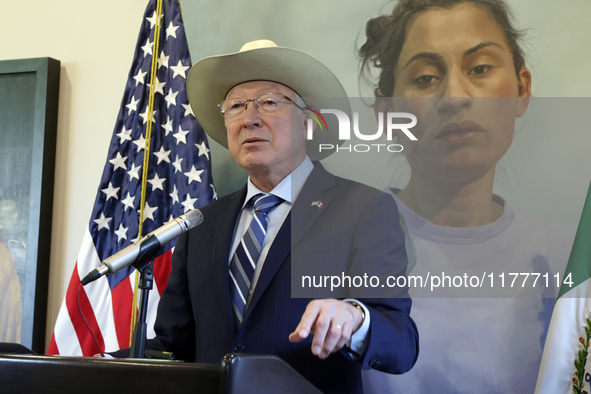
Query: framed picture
x=29, y=91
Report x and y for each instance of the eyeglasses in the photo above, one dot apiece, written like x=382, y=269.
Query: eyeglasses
x=264, y=103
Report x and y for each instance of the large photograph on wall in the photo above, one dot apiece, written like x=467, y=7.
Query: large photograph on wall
x=510, y=205
x=28, y=123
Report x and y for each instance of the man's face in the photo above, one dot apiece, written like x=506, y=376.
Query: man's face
x=268, y=145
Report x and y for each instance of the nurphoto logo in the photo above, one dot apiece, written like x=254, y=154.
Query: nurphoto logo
x=392, y=120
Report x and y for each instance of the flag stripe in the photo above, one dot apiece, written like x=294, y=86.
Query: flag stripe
x=98, y=293
x=89, y=348
x=122, y=304
x=64, y=335
x=162, y=268
x=569, y=318
x=580, y=254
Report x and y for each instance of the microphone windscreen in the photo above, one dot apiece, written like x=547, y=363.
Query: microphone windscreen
x=193, y=218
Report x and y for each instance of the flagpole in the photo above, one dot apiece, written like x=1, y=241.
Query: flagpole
x=150, y=117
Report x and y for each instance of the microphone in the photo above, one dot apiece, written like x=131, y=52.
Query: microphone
x=146, y=248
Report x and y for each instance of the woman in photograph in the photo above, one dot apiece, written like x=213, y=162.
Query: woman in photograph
x=457, y=65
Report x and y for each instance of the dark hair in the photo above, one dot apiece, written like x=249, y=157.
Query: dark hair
x=386, y=35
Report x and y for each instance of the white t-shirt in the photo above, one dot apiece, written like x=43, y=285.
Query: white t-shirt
x=479, y=345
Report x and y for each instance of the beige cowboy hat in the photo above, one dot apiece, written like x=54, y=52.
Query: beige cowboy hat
x=211, y=78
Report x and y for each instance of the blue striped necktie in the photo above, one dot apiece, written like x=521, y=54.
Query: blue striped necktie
x=244, y=261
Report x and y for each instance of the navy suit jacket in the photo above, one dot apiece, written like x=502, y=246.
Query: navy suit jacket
x=355, y=225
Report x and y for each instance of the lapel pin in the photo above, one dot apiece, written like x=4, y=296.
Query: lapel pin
x=317, y=204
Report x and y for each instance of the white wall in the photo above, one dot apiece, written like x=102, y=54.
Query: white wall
x=95, y=39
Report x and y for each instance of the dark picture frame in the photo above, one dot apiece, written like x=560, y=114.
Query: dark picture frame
x=29, y=92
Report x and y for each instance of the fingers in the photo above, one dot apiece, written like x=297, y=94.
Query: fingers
x=306, y=325
x=345, y=336
x=336, y=338
x=323, y=332
x=331, y=322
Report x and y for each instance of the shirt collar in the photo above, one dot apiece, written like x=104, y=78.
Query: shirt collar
x=289, y=188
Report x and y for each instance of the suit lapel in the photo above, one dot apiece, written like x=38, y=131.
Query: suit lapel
x=226, y=220
x=312, y=202
x=301, y=218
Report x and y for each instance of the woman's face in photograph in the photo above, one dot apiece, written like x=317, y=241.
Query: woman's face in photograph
x=456, y=74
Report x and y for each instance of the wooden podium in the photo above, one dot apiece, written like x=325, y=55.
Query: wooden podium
x=237, y=374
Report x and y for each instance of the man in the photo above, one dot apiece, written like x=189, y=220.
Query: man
x=230, y=286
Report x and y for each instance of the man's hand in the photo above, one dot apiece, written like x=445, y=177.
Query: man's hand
x=331, y=321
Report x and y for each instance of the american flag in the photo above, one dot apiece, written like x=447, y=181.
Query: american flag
x=178, y=180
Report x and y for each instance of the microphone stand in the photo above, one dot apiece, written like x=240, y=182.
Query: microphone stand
x=138, y=342
x=146, y=283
